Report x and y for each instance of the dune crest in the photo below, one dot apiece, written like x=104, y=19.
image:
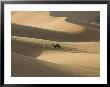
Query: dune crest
x=45, y=45
x=45, y=21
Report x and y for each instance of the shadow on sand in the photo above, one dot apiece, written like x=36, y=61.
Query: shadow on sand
x=39, y=33
x=26, y=49
x=23, y=66
x=80, y=17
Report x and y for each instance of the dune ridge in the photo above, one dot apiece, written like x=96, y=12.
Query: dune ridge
x=33, y=32
x=44, y=21
x=32, y=68
x=32, y=52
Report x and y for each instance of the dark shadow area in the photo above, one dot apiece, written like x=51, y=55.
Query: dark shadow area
x=84, y=18
x=25, y=67
x=26, y=48
x=34, y=50
x=84, y=22
x=39, y=33
x=87, y=14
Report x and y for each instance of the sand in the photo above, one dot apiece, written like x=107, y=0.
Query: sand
x=45, y=21
x=33, y=55
x=67, y=61
x=82, y=59
x=27, y=66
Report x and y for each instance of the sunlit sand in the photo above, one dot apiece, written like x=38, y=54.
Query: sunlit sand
x=33, y=54
x=45, y=21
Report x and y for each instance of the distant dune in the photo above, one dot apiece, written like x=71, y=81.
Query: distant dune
x=43, y=20
x=85, y=18
x=44, y=25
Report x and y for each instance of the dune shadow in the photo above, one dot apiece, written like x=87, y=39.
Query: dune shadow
x=79, y=17
x=26, y=49
x=39, y=33
x=22, y=66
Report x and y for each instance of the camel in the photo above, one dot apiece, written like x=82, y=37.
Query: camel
x=56, y=45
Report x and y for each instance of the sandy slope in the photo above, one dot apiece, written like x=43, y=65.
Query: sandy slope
x=34, y=32
x=89, y=47
x=41, y=25
x=46, y=61
x=45, y=21
x=27, y=66
x=90, y=60
x=32, y=52
x=85, y=18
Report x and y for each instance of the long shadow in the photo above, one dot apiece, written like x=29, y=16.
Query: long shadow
x=22, y=66
x=78, y=17
x=35, y=49
x=33, y=32
x=26, y=48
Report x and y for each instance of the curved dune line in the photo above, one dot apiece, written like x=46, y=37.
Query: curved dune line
x=45, y=21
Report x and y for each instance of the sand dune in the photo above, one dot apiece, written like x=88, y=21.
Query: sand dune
x=45, y=21
x=85, y=18
x=43, y=60
x=89, y=60
x=40, y=44
x=44, y=25
x=33, y=55
x=27, y=66
x=33, y=32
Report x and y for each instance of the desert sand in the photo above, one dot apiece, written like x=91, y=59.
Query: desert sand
x=45, y=21
x=33, y=55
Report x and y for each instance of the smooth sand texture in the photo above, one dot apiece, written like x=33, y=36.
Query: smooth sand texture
x=82, y=59
x=33, y=55
x=45, y=21
x=89, y=35
x=26, y=66
x=73, y=59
